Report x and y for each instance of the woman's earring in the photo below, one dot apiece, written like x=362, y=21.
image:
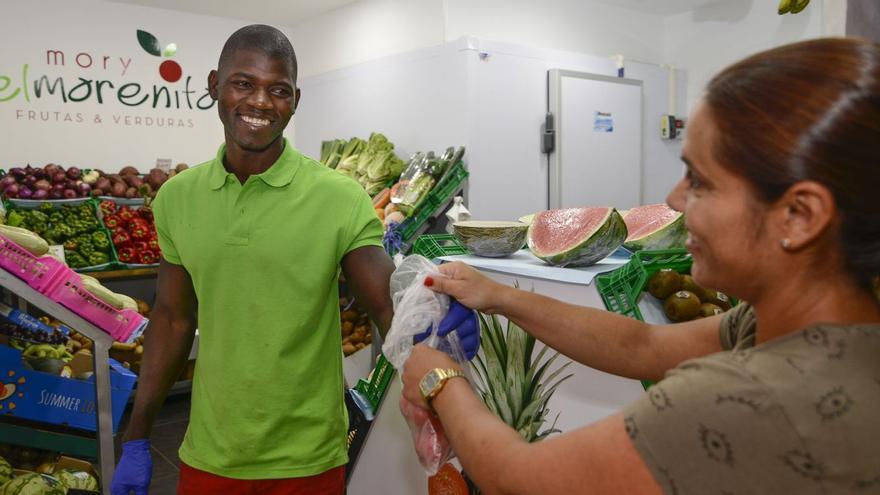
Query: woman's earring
x=786, y=243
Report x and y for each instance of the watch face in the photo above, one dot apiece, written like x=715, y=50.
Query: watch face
x=429, y=382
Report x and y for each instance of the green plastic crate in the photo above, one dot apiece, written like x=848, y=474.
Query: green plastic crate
x=448, y=185
x=622, y=288
x=433, y=246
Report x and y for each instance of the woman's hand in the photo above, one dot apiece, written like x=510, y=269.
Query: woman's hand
x=469, y=286
x=422, y=360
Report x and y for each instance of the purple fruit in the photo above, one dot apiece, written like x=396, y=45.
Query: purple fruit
x=84, y=189
x=51, y=169
x=59, y=177
x=74, y=173
x=40, y=194
x=25, y=192
x=29, y=180
x=17, y=172
x=69, y=194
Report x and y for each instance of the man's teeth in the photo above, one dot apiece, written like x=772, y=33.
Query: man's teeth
x=254, y=121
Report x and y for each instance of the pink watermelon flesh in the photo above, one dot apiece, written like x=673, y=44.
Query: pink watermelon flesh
x=645, y=220
x=555, y=231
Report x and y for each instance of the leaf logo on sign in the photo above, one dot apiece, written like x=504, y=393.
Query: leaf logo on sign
x=169, y=69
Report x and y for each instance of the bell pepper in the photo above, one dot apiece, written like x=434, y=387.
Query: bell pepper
x=153, y=244
x=101, y=241
x=140, y=246
x=98, y=258
x=126, y=254
x=146, y=213
x=71, y=244
x=74, y=259
x=139, y=231
x=147, y=257
x=107, y=207
x=112, y=221
x=125, y=213
x=86, y=248
x=121, y=239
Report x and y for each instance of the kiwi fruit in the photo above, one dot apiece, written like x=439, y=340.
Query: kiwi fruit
x=682, y=306
x=688, y=284
x=717, y=298
x=663, y=283
x=709, y=309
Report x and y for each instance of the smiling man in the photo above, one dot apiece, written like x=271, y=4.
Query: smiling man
x=252, y=244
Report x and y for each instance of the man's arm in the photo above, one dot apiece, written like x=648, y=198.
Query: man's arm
x=368, y=272
x=167, y=342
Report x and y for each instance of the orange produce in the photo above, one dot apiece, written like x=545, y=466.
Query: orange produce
x=447, y=481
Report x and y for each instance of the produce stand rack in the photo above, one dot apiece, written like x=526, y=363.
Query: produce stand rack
x=41, y=436
x=100, y=356
x=435, y=203
x=433, y=246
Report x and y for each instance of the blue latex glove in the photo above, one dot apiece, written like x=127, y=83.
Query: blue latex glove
x=134, y=470
x=464, y=321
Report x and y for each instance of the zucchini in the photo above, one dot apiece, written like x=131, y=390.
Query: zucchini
x=35, y=244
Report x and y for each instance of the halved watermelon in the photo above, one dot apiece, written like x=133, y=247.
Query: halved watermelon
x=576, y=236
x=654, y=227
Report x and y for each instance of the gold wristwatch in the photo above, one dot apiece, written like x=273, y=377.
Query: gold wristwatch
x=433, y=381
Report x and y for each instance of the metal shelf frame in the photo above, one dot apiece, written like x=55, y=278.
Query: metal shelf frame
x=100, y=356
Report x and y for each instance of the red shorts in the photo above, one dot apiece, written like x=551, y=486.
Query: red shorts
x=193, y=481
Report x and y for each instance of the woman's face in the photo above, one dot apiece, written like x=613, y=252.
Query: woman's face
x=725, y=220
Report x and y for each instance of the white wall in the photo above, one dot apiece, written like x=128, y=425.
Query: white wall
x=107, y=134
x=372, y=29
x=706, y=40
x=489, y=96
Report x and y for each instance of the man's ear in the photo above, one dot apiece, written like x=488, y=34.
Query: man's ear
x=212, y=84
x=808, y=210
x=296, y=99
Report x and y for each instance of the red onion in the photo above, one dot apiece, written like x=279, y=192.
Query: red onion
x=29, y=180
x=51, y=169
x=59, y=177
x=40, y=194
x=7, y=181
x=84, y=189
x=73, y=173
x=42, y=185
x=25, y=192
x=12, y=191
x=69, y=194
x=17, y=172
x=55, y=194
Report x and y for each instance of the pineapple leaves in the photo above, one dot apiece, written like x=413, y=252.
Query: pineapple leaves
x=515, y=384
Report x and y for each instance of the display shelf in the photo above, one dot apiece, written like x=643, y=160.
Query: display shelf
x=148, y=272
x=100, y=356
x=36, y=436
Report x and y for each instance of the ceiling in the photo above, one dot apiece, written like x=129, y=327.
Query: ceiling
x=292, y=12
x=661, y=7
x=276, y=12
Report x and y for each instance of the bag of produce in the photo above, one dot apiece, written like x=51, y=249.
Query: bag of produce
x=417, y=309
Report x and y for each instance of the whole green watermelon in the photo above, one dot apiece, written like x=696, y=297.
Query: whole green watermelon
x=5, y=471
x=81, y=480
x=33, y=484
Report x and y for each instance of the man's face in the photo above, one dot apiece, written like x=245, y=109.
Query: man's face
x=256, y=97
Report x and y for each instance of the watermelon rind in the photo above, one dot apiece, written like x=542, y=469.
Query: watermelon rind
x=603, y=241
x=80, y=480
x=33, y=484
x=670, y=235
x=491, y=239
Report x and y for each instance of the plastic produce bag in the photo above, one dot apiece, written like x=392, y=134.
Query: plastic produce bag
x=417, y=308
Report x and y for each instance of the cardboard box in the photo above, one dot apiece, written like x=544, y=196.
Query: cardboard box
x=47, y=398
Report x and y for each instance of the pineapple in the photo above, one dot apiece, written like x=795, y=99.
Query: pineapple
x=511, y=383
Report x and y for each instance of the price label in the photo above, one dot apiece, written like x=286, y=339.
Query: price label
x=57, y=251
x=163, y=164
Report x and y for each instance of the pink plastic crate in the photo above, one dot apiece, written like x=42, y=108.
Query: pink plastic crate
x=123, y=325
x=40, y=273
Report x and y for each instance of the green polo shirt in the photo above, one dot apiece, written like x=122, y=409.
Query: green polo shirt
x=267, y=396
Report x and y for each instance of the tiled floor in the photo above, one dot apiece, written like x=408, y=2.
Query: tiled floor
x=168, y=431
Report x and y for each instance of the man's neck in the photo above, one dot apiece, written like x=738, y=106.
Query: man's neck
x=244, y=163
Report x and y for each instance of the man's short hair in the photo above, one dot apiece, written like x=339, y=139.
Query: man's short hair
x=263, y=38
